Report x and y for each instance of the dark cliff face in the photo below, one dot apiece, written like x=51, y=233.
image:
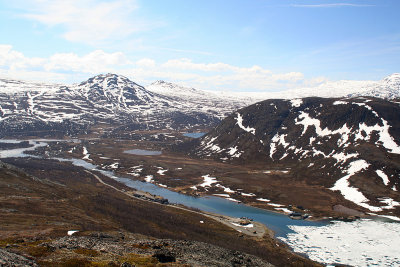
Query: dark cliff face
x=322, y=140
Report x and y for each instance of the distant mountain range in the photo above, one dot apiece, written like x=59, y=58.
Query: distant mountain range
x=350, y=145
x=388, y=88
x=52, y=109
x=28, y=108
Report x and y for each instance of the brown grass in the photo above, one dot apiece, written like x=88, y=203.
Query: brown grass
x=79, y=202
x=87, y=252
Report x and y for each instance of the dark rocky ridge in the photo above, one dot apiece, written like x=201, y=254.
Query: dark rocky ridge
x=319, y=140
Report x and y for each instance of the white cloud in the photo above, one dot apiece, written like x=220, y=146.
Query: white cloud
x=14, y=64
x=16, y=60
x=88, y=21
x=187, y=64
x=94, y=62
x=146, y=63
x=211, y=76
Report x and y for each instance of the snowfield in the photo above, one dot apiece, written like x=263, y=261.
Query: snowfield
x=359, y=243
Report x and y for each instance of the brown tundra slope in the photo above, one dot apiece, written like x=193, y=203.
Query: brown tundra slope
x=41, y=200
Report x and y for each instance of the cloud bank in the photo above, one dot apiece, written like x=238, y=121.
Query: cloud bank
x=67, y=67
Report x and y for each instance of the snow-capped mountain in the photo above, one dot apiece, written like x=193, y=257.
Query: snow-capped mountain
x=388, y=88
x=348, y=145
x=33, y=108
x=201, y=99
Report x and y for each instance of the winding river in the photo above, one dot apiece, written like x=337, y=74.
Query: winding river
x=279, y=223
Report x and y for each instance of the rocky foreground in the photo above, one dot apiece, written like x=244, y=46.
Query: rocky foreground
x=119, y=249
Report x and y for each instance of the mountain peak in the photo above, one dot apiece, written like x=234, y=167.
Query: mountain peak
x=159, y=82
x=393, y=79
x=111, y=78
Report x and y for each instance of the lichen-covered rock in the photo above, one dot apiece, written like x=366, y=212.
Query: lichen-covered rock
x=11, y=259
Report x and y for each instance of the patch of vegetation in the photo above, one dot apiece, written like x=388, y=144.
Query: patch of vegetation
x=139, y=260
x=76, y=262
x=38, y=251
x=87, y=252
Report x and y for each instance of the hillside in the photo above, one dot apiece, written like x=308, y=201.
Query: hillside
x=44, y=109
x=348, y=145
x=44, y=200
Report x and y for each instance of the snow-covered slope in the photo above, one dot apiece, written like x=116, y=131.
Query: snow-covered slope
x=14, y=86
x=200, y=99
x=388, y=88
x=30, y=108
x=348, y=145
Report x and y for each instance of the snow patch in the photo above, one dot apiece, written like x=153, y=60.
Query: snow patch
x=250, y=225
x=239, y=122
x=248, y=194
x=390, y=203
x=226, y=189
x=161, y=171
x=208, y=181
x=352, y=193
x=114, y=165
x=276, y=205
x=384, y=177
x=233, y=151
x=263, y=199
x=149, y=178
x=285, y=210
x=85, y=154
x=296, y=102
x=71, y=232
x=338, y=102
x=384, y=137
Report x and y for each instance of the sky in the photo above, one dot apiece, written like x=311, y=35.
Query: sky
x=230, y=45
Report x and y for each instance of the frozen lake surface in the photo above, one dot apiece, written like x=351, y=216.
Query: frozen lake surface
x=364, y=242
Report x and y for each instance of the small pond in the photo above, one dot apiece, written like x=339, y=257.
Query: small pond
x=194, y=135
x=143, y=152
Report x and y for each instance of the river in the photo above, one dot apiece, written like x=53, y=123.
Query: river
x=277, y=222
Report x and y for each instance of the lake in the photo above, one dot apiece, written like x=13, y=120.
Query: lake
x=194, y=135
x=143, y=152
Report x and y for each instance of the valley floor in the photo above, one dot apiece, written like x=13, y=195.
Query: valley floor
x=278, y=188
x=42, y=199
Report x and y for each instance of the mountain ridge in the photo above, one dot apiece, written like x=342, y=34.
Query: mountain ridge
x=108, y=98
x=348, y=145
x=111, y=98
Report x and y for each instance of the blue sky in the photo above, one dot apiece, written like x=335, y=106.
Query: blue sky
x=254, y=45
